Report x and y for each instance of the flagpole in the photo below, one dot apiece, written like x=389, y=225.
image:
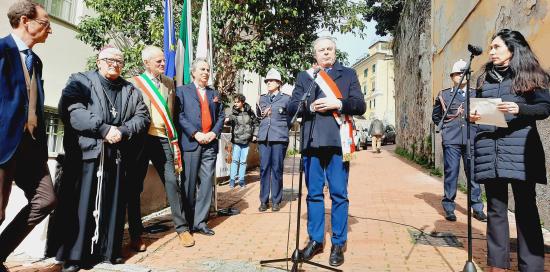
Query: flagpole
x=190, y=32
x=211, y=52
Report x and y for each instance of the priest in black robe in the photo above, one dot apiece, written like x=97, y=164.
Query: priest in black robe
x=104, y=115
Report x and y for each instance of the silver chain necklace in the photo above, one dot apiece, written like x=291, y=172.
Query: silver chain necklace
x=113, y=111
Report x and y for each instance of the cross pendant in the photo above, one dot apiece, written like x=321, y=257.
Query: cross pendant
x=113, y=112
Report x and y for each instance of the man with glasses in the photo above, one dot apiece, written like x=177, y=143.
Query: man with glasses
x=453, y=135
x=104, y=117
x=23, y=152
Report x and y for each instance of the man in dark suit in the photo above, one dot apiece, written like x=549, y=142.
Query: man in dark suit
x=326, y=148
x=201, y=120
x=454, y=142
x=23, y=152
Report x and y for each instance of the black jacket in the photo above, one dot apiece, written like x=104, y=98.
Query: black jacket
x=515, y=152
x=83, y=109
x=244, y=125
x=321, y=129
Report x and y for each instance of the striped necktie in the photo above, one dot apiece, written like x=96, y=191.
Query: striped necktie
x=29, y=60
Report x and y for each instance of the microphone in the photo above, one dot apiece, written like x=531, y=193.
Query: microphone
x=475, y=50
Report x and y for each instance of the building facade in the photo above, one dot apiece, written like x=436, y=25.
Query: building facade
x=375, y=73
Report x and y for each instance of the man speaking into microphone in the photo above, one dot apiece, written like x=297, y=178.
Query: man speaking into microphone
x=327, y=143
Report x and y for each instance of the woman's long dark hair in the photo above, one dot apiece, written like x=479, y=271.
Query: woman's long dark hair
x=526, y=72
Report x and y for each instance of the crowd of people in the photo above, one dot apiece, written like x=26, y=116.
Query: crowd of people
x=115, y=126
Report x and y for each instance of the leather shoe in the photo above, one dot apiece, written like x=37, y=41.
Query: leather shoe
x=205, y=231
x=450, y=216
x=186, y=239
x=138, y=245
x=336, y=255
x=70, y=267
x=480, y=216
x=276, y=208
x=312, y=248
x=117, y=260
x=263, y=207
x=3, y=268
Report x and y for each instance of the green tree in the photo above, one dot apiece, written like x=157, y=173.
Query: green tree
x=254, y=35
x=386, y=13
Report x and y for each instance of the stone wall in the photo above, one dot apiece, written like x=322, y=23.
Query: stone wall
x=413, y=90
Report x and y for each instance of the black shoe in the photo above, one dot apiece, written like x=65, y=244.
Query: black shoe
x=263, y=207
x=70, y=267
x=275, y=208
x=336, y=255
x=205, y=231
x=311, y=249
x=450, y=216
x=3, y=268
x=480, y=216
x=114, y=261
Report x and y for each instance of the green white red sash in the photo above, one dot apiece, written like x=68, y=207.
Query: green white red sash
x=148, y=87
x=345, y=121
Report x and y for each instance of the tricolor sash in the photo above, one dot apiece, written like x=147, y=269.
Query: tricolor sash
x=345, y=121
x=148, y=87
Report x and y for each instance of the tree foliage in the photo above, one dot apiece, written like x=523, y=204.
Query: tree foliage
x=386, y=13
x=253, y=35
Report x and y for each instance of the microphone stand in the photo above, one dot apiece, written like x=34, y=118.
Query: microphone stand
x=469, y=266
x=297, y=257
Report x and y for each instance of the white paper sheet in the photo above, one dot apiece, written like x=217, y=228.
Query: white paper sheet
x=487, y=109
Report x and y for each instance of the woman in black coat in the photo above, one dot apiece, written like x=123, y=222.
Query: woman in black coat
x=512, y=155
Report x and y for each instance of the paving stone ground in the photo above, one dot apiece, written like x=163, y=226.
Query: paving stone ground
x=391, y=200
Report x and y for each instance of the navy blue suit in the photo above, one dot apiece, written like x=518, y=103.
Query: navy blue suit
x=322, y=153
x=14, y=101
x=23, y=159
x=199, y=160
x=273, y=141
x=454, y=140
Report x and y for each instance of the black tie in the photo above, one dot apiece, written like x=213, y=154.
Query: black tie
x=272, y=97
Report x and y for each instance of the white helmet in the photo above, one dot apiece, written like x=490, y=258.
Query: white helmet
x=459, y=66
x=273, y=74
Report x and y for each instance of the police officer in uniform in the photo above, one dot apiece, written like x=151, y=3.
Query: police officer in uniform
x=272, y=139
x=453, y=134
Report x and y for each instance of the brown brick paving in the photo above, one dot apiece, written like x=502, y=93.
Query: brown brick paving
x=388, y=197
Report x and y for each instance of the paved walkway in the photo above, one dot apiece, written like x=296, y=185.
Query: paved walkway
x=394, y=207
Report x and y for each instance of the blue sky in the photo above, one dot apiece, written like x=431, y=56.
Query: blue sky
x=353, y=45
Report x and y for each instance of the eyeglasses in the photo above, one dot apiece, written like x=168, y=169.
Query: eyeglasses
x=45, y=24
x=110, y=61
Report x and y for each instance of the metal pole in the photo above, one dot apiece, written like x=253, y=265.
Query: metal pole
x=210, y=51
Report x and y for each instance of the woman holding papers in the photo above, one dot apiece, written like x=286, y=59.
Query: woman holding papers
x=514, y=154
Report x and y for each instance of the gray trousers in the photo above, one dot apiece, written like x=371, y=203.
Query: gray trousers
x=199, y=168
x=156, y=149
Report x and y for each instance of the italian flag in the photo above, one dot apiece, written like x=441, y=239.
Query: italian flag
x=185, y=46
